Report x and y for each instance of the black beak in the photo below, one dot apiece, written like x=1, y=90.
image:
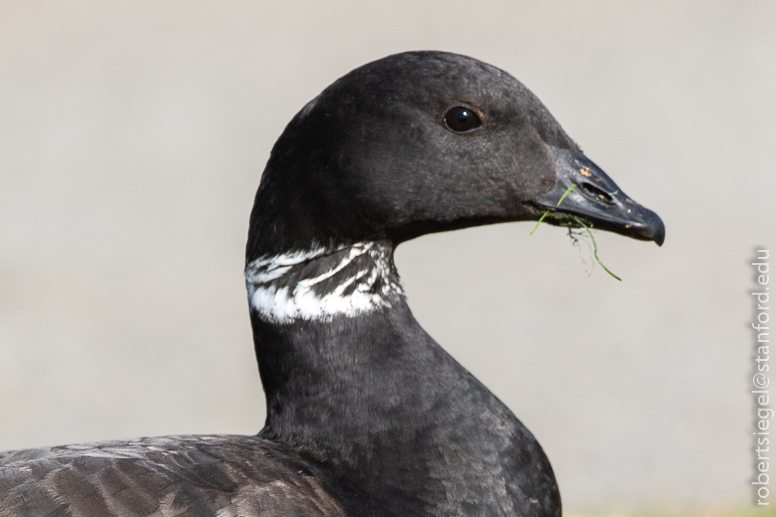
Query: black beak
x=596, y=200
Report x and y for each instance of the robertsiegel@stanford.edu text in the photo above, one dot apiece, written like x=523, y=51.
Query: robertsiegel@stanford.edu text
x=761, y=379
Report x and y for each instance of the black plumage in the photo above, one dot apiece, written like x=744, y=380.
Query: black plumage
x=366, y=414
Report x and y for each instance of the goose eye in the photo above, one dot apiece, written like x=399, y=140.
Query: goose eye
x=461, y=119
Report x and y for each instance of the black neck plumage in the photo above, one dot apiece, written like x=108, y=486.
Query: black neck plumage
x=370, y=396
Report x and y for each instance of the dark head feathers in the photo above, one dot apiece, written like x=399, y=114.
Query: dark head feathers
x=371, y=158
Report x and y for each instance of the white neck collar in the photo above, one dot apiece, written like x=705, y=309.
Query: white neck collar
x=320, y=284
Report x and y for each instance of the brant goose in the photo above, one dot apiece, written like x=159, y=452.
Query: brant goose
x=366, y=414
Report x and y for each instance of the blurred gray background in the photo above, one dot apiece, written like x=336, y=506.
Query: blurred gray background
x=132, y=139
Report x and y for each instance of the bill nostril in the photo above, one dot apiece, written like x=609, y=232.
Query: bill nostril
x=597, y=193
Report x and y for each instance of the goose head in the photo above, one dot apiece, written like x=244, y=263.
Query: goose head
x=423, y=142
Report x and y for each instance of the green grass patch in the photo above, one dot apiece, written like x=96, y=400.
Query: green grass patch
x=580, y=224
x=595, y=246
x=568, y=191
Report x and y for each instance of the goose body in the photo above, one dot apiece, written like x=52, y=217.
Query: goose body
x=366, y=414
